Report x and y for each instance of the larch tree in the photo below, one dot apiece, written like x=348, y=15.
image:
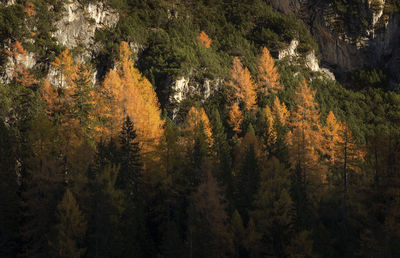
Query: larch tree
x=20, y=74
x=270, y=131
x=67, y=69
x=204, y=40
x=268, y=76
x=49, y=95
x=331, y=135
x=280, y=111
x=198, y=138
x=71, y=229
x=347, y=153
x=235, y=118
x=131, y=94
x=340, y=147
x=305, y=140
x=29, y=8
x=197, y=120
x=245, y=90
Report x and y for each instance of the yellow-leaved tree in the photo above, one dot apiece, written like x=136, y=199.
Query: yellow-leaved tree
x=245, y=90
x=20, y=74
x=268, y=76
x=270, y=132
x=235, y=118
x=196, y=121
x=204, y=40
x=131, y=94
x=67, y=69
x=280, y=111
x=331, y=134
x=342, y=150
x=305, y=140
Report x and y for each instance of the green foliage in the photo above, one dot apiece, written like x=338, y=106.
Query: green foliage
x=273, y=211
x=368, y=78
x=129, y=177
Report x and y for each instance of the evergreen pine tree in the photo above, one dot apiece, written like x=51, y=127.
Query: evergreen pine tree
x=248, y=175
x=129, y=177
x=82, y=96
x=223, y=158
x=273, y=209
x=9, y=199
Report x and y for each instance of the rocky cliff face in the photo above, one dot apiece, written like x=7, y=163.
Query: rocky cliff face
x=76, y=30
x=368, y=38
x=79, y=24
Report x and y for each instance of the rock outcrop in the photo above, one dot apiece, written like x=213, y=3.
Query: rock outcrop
x=78, y=25
x=374, y=42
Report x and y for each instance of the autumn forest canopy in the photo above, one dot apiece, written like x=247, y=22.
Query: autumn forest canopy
x=267, y=159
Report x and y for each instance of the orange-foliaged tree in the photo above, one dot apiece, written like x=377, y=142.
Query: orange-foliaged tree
x=270, y=132
x=340, y=146
x=67, y=69
x=196, y=120
x=280, y=111
x=131, y=94
x=268, y=76
x=20, y=74
x=204, y=40
x=331, y=135
x=245, y=90
x=305, y=140
x=235, y=118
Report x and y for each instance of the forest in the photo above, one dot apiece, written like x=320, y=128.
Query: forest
x=278, y=160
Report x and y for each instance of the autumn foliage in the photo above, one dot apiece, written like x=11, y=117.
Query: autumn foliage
x=196, y=121
x=280, y=111
x=29, y=8
x=235, y=118
x=130, y=94
x=305, y=140
x=245, y=90
x=268, y=76
x=21, y=74
x=204, y=40
x=67, y=69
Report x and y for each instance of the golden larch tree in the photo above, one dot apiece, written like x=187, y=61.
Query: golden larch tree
x=29, y=8
x=245, y=90
x=331, y=135
x=129, y=93
x=268, y=76
x=21, y=74
x=235, y=118
x=196, y=120
x=347, y=154
x=204, y=40
x=270, y=132
x=280, y=111
x=305, y=140
x=67, y=69
x=50, y=97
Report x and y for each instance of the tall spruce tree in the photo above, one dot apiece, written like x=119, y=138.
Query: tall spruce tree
x=130, y=174
x=223, y=157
